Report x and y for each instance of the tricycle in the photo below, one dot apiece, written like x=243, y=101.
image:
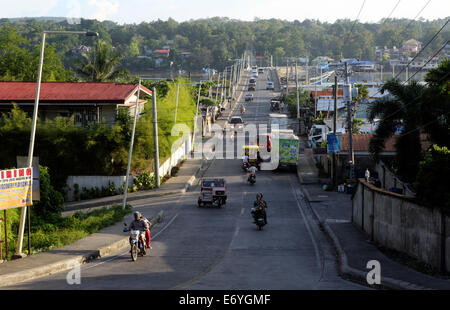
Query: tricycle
x=213, y=192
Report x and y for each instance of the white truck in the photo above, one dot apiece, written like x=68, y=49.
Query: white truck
x=280, y=119
x=289, y=145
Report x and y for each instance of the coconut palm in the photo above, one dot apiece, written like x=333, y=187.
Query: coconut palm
x=400, y=111
x=100, y=65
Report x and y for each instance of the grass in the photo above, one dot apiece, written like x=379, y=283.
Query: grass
x=59, y=231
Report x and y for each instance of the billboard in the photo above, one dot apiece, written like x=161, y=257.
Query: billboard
x=16, y=188
x=22, y=163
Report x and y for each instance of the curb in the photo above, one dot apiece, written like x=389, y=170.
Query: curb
x=349, y=272
x=66, y=264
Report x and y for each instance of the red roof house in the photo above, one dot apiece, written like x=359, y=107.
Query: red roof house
x=86, y=101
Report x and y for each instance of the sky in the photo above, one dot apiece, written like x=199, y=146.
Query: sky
x=137, y=11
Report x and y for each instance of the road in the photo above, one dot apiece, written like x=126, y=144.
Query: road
x=220, y=248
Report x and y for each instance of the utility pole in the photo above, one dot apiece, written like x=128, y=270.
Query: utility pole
x=348, y=88
x=130, y=152
x=217, y=87
x=287, y=76
x=155, y=137
x=296, y=89
x=176, y=102
x=334, y=129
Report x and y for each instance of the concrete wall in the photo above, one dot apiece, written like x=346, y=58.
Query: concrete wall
x=102, y=181
x=397, y=222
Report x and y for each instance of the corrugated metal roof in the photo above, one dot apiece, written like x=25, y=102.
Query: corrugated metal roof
x=80, y=92
x=361, y=142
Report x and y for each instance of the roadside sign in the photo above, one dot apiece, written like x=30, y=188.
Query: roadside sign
x=22, y=163
x=16, y=188
x=334, y=143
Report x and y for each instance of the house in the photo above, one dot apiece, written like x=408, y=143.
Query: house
x=80, y=50
x=164, y=53
x=411, y=46
x=88, y=102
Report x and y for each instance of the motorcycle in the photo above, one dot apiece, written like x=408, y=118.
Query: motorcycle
x=245, y=165
x=137, y=248
x=258, y=219
x=252, y=178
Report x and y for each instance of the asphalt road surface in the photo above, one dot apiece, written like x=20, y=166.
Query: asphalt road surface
x=220, y=248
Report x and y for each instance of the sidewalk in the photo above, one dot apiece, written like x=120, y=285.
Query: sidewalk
x=185, y=177
x=103, y=243
x=334, y=211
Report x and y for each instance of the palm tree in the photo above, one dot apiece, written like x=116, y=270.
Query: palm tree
x=400, y=111
x=100, y=65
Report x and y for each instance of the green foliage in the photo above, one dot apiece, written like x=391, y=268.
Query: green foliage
x=356, y=125
x=19, y=60
x=413, y=108
x=208, y=102
x=213, y=41
x=431, y=183
x=144, y=181
x=54, y=232
x=51, y=201
x=101, y=64
x=291, y=101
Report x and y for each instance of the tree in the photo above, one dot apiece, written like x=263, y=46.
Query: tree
x=101, y=64
x=400, y=111
x=431, y=188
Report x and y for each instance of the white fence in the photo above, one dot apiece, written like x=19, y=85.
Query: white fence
x=89, y=182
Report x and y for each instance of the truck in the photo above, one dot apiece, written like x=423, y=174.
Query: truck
x=289, y=145
x=280, y=119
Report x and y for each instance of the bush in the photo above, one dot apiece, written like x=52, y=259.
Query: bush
x=51, y=201
x=431, y=184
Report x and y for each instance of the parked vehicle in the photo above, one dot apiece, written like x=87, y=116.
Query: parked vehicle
x=213, y=193
x=318, y=134
x=137, y=248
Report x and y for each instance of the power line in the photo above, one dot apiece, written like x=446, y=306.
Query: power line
x=390, y=14
x=431, y=58
x=424, y=47
x=353, y=26
x=441, y=79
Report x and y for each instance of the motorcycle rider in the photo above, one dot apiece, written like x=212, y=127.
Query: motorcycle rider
x=147, y=231
x=251, y=170
x=259, y=206
x=139, y=224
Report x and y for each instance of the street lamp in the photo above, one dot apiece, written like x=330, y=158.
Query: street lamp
x=155, y=137
x=33, y=134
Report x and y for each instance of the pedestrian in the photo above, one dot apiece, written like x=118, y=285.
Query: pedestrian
x=367, y=175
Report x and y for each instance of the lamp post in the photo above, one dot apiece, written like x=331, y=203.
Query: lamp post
x=23, y=213
x=155, y=138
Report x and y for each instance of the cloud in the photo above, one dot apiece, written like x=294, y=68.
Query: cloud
x=105, y=8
